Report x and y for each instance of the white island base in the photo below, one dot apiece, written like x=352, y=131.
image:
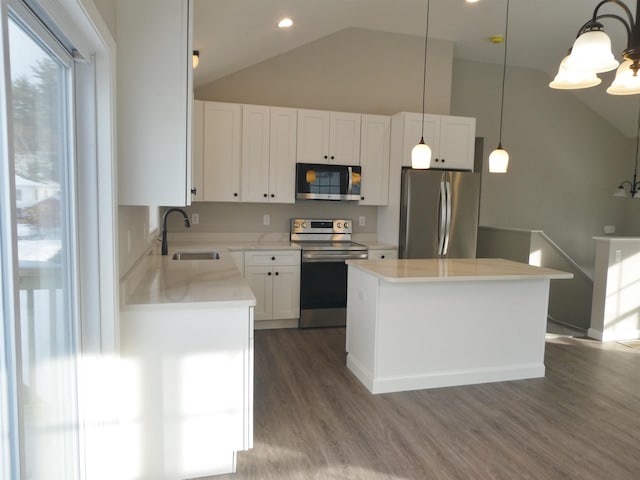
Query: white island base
x=415, y=324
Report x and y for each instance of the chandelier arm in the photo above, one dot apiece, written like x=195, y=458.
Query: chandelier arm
x=621, y=5
x=587, y=25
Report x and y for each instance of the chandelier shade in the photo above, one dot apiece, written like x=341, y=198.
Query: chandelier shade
x=627, y=82
x=591, y=52
x=568, y=79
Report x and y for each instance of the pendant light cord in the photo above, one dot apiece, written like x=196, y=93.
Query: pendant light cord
x=504, y=71
x=424, y=71
x=635, y=168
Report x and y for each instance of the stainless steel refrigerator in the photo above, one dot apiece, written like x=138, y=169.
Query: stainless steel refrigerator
x=439, y=214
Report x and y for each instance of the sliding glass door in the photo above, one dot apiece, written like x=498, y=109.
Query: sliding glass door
x=40, y=108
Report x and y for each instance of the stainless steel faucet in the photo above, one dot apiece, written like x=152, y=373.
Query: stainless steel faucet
x=187, y=223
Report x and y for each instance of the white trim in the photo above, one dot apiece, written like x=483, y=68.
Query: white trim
x=12, y=460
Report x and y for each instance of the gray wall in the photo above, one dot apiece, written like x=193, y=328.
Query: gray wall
x=353, y=70
x=565, y=160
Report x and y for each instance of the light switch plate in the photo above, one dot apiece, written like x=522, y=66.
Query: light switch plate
x=266, y=219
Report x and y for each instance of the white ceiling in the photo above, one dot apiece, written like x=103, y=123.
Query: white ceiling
x=234, y=34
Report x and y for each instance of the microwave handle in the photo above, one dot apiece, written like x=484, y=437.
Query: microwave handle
x=350, y=174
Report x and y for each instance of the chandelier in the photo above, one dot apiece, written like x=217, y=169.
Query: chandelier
x=591, y=54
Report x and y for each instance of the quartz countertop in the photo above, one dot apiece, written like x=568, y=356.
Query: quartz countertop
x=452, y=270
x=163, y=281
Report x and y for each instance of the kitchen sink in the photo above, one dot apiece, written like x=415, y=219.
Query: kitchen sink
x=196, y=256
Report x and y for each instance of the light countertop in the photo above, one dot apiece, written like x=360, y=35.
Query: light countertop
x=452, y=270
x=159, y=280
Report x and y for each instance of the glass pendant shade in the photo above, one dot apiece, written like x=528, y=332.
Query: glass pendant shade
x=421, y=155
x=567, y=79
x=620, y=192
x=626, y=82
x=592, y=52
x=499, y=160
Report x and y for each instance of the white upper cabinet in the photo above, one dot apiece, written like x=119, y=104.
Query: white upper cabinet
x=328, y=137
x=374, y=159
x=457, y=143
x=451, y=139
x=154, y=101
x=197, y=149
x=222, y=147
x=256, y=121
x=268, y=154
x=282, y=155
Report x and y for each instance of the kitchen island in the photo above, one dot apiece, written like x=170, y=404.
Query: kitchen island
x=429, y=323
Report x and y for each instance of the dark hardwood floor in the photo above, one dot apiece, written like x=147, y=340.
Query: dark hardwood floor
x=314, y=420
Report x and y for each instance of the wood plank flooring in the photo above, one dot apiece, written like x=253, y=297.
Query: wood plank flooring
x=314, y=420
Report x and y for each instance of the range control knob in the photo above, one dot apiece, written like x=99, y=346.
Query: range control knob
x=296, y=225
x=346, y=224
x=339, y=225
x=304, y=224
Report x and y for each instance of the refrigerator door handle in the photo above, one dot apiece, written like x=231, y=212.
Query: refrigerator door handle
x=447, y=231
x=443, y=219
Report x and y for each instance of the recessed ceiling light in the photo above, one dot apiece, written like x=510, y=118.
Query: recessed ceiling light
x=285, y=23
x=472, y=1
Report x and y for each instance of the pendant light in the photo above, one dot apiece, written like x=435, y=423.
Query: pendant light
x=499, y=158
x=633, y=185
x=421, y=153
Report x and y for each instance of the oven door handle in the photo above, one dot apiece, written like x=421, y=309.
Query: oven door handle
x=308, y=257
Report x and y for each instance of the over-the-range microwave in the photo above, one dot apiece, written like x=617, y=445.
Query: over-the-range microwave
x=317, y=181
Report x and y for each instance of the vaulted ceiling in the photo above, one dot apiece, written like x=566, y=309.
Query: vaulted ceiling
x=234, y=34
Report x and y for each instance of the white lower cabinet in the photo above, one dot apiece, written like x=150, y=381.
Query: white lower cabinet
x=381, y=254
x=187, y=389
x=274, y=278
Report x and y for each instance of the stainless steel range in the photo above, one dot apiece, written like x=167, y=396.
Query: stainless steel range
x=326, y=244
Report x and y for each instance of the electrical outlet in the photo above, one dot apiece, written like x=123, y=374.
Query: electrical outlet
x=266, y=219
x=361, y=220
x=618, y=255
x=128, y=241
x=195, y=218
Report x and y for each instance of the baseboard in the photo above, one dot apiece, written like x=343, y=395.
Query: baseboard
x=271, y=324
x=446, y=379
x=613, y=336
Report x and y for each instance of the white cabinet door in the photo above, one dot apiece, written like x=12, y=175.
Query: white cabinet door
x=414, y=131
x=282, y=155
x=374, y=159
x=328, y=137
x=457, y=143
x=313, y=136
x=256, y=121
x=286, y=291
x=344, y=138
x=197, y=152
x=154, y=101
x=260, y=280
x=274, y=278
x=222, y=145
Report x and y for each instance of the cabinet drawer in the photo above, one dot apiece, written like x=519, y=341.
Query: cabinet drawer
x=272, y=257
x=383, y=254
